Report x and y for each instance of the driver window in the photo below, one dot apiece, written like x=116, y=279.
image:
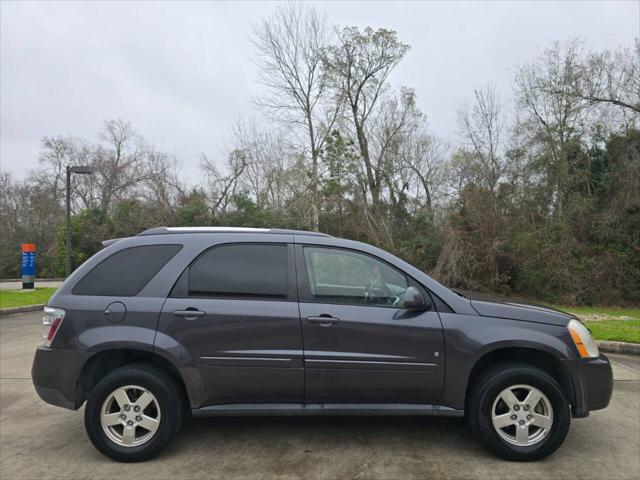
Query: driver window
x=343, y=276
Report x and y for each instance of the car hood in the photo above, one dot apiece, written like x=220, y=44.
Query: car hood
x=501, y=307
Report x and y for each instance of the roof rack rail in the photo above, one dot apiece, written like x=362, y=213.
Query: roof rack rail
x=110, y=241
x=174, y=230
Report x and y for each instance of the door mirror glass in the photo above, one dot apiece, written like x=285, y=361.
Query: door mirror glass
x=414, y=300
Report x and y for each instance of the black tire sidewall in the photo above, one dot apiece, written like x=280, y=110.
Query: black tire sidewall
x=160, y=385
x=486, y=396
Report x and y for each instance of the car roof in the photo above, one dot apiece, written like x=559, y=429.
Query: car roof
x=183, y=230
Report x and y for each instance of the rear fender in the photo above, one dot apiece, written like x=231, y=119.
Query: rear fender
x=181, y=358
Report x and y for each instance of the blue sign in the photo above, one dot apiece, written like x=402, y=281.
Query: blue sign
x=28, y=265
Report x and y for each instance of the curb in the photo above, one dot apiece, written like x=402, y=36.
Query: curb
x=26, y=308
x=619, y=347
x=19, y=280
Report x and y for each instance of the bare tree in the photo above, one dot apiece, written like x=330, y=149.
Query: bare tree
x=9, y=206
x=552, y=116
x=257, y=166
x=57, y=152
x=478, y=170
x=223, y=185
x=119, y=163
x=481, y=126
x=289, y=45
x=162, y=186
x=391, y=127
x=358, y=67
x=426, y=157
x=611, y=78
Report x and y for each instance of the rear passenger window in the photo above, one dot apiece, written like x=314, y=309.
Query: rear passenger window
x=240, y=271
x=126, y=272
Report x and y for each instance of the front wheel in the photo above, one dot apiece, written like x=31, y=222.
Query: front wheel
x=133, y=413
x=519, y=412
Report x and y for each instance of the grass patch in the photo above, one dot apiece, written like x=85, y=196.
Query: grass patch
x=601, y=313
x=22, y=298
x=616, y=330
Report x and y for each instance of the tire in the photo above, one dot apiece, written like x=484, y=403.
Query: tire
x=165, y=407
x=486, y=399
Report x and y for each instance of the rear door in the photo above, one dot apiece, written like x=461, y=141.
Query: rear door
x=235, y=310
x=360, y=344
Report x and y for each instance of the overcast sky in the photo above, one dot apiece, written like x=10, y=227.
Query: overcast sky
x=182, y=72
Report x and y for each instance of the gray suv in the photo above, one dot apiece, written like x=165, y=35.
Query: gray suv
x=236, y=321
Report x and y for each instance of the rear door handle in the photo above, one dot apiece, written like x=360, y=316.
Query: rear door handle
x=189, y=313
x=323, y=320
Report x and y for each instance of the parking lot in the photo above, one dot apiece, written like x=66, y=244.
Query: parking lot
x=41, y=441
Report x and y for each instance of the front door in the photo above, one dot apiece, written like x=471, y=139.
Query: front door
x=235, y=311
x=360, y=344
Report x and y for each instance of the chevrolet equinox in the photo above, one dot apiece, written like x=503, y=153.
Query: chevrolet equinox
x=207, y=321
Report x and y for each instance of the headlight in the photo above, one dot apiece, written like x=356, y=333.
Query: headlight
x=585, y=344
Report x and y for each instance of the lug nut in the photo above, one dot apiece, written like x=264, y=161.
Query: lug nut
x=514, y=416
x=136, y=408
x=529, y=417
x=516, y=407
x=129, y=423
x=526, y=408
x=138, y=418
x=127, y=408
x=123, y=416
x=521, y=422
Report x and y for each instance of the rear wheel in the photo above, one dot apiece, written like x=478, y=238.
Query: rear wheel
x=519, y=412
x=133, y=413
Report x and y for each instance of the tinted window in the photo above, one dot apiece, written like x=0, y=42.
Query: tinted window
x=343, y=276
x=126, y=272
x=240, y=271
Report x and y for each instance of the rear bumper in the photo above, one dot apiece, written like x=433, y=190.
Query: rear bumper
x=54, y=374
x=593, y=384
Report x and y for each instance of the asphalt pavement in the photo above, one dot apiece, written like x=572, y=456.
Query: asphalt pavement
x=41, y=441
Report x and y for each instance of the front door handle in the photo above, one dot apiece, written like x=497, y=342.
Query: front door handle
x=189, y=313
x=323, y=320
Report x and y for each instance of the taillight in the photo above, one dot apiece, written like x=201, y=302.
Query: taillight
x=51, y=321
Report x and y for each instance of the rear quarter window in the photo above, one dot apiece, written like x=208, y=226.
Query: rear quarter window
x=126, y=272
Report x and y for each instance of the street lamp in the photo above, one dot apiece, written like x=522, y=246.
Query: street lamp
x=79, y=170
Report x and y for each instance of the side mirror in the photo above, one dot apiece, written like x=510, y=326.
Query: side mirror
x=414, y=300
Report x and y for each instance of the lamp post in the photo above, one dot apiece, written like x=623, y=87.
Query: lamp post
x=79, y=170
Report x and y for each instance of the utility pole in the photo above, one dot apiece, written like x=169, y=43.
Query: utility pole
x=68, y=228
x=80, y=170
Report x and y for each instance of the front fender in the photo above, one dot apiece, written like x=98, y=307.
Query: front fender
x=469, y=338
x=531, y=344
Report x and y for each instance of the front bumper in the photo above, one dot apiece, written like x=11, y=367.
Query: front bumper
x=54, y=374
x=593, y=384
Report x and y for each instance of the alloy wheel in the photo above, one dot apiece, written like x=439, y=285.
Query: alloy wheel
x=130, y=416
x=522, y=415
